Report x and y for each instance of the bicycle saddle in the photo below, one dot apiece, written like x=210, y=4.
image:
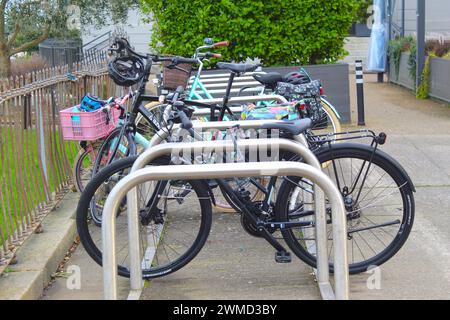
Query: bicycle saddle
x=237, y=67
x=268, y=79
x=293, y=127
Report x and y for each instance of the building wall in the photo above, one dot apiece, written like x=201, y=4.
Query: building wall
x=139, y=32
x=437, y=17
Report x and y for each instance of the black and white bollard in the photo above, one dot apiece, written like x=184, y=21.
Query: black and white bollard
x=360, y=91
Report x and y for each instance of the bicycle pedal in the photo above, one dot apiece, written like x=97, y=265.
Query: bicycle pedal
x=283, y=257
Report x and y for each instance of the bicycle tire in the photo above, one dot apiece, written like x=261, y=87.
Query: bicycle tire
x=330, y=111
x=82, y=216
x=382, y=160
x=76, y=171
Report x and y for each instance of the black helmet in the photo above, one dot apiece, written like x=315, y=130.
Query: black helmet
x=126, y=71
x=296, y=78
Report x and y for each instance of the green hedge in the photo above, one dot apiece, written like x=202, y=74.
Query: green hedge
x=280, y=32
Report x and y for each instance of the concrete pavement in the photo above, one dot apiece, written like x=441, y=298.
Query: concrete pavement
x=236, y=266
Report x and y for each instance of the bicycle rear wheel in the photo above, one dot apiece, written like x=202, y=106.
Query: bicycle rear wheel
x=171, y=235
x=330, y=122
x=379, y=200
x=82, y=170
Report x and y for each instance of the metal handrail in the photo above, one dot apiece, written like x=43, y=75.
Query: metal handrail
x=108, y=33
x=209, y=171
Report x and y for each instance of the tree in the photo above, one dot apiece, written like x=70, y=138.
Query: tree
x=8, y=45
x=26, y=23
x=280, y=32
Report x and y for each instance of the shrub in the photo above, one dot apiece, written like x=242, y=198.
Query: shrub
x=399, y=45
x=362, y=11
x=23, y=65
x=424, y=87
x=438, y=48
x=279, y=32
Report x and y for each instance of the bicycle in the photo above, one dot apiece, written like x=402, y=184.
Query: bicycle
x=198, y=91
x=142, y=121
x=290, y=214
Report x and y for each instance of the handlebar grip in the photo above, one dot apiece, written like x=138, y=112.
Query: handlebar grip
x=221, y=44
x=186, y=123
x=217, y=55
x=185, y=60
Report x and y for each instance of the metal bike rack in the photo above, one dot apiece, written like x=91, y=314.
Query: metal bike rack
x=210, y=171
x=163, y=134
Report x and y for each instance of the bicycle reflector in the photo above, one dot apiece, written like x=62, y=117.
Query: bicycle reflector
x=301, y=105
x=322, y=91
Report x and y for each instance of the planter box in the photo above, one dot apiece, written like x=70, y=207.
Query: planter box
x=335, y=80
x=359, y=30
x=440, y=78
x=402, y=78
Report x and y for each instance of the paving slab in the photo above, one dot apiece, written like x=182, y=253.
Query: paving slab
x=234, y=265
x=39, y=256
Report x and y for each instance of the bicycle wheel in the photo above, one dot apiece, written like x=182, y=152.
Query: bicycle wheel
x=82, y=170
x=330, y=122
x=379, y=203
x=116, y=146
x=118, y=143
x=83, y=166
x=156, y=115
x=171, y=235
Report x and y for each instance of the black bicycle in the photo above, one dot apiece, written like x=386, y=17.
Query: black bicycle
x=176, y=216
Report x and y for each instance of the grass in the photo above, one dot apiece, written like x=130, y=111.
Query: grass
x=17, y=202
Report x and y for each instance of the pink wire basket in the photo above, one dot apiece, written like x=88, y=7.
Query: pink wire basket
x=88, y=126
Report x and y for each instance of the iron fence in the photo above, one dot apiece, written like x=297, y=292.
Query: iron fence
x=36, y=163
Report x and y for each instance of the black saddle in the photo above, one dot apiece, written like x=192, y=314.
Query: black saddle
x=237, y=67
x=268, y=79
x=295, y=127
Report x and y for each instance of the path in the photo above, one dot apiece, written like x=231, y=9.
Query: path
x=234, y=265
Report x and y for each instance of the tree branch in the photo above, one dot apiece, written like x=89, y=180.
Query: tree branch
x=14, y=35
x=31, y=44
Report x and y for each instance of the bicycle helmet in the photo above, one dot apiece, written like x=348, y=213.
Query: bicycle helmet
x=126, y=71
x=296, y=78
x=91, y=103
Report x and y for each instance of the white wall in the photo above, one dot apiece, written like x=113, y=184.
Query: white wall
x=138, y=31
x=437, y=17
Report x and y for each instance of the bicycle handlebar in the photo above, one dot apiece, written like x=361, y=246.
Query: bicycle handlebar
x=186, y=123
x=176, y=60
x=221, y=44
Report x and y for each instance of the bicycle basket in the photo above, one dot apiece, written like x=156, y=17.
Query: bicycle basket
x=87, y=126
x=173, y=78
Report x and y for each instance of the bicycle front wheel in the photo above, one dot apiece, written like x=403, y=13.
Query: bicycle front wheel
x=379, y=203
x=172, y=233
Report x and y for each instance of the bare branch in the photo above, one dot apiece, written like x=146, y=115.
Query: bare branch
x=13, y=37
x=31, y=44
